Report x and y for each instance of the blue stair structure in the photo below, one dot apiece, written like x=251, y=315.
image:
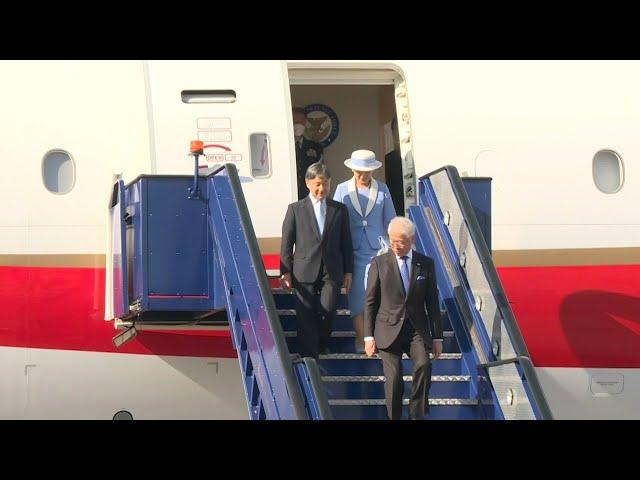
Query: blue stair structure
x=354, y=383
x=485, y=372
x=209, y=266
x=277, y=384
x=214, y=265
x=503, y=380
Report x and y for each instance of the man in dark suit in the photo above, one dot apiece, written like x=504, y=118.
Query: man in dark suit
x=322, y=262
x=402, y=315
x=307, y=151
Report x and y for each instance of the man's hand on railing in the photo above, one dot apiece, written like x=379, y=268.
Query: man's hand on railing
x=285, y=281
x=346, y=284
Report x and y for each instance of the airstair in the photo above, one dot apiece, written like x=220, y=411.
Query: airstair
x=185, y=255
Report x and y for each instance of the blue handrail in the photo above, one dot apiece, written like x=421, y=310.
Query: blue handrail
x=274, y=388
x=482, y=344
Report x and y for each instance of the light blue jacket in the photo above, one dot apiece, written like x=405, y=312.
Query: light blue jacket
x=376, y=222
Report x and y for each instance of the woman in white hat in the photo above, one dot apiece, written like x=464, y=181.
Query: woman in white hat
x=370, y=211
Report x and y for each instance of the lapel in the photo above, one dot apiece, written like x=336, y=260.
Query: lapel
x=395, y=269
x=373, y=195
x=353, y=195
x=312, y=217
x=331, y=213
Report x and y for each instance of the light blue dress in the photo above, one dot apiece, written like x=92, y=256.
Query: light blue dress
x=364, y=234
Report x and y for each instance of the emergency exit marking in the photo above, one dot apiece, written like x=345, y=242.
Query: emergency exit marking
x=233, y=157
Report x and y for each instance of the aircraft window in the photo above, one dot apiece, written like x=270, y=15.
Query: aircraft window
x=260, y=155
x=208, y=96
x=123, y=415
x=58, y=171
x=608, y=171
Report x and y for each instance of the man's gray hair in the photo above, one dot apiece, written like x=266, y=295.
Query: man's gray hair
x=404, y=224
x=318, y=169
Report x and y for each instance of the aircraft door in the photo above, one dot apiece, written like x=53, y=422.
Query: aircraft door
x=241, y=110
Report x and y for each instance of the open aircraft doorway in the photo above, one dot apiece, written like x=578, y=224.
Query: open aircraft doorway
x=350, y=109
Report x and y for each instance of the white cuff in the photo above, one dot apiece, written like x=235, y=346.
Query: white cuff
x=437, y=340
x=368, y=339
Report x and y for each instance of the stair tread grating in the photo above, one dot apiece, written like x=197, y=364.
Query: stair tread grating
x=405, y=401
x=292, y=311
x=363, y=356
x=381, y=378
x=349, y=333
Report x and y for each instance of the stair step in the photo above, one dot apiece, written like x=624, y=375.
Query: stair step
x=351, y=333
x=284, y=299
x=282, y=291
x=379, y=412
x=380, y=378
x=344, y=342
x=357, y=364
x=287, y=314
x=340, y=322
x=363, y=356
x=291, y=311
x=449, y=402
x=334, y=334
x=375, y=409
x=372, y=386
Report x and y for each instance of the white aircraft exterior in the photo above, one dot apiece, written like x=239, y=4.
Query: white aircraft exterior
x=560, y=140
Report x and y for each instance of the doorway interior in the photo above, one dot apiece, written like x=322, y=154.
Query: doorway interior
x=367, y=119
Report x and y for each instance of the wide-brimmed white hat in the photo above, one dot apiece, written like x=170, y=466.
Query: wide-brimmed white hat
x=363, y=161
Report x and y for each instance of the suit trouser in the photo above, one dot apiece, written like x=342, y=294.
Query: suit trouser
x=315, y=313
x=411, y=342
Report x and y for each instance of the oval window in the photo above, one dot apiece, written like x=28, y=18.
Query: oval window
x=608, y=171
x=58, y=171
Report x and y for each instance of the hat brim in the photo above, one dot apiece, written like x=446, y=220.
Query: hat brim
x=348, y=164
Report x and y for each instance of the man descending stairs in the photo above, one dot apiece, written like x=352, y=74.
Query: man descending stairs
x=354, y=383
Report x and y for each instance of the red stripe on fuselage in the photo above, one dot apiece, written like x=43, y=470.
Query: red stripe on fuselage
x=573, y=316
x=577, y=316
x=63, y=309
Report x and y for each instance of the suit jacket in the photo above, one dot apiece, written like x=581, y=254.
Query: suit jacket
x=377, y=220
x=386, y=308
x=334, y=248
x=307, y=153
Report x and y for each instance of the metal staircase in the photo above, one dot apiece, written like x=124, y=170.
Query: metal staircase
x=484, y=373
x=354, y=383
